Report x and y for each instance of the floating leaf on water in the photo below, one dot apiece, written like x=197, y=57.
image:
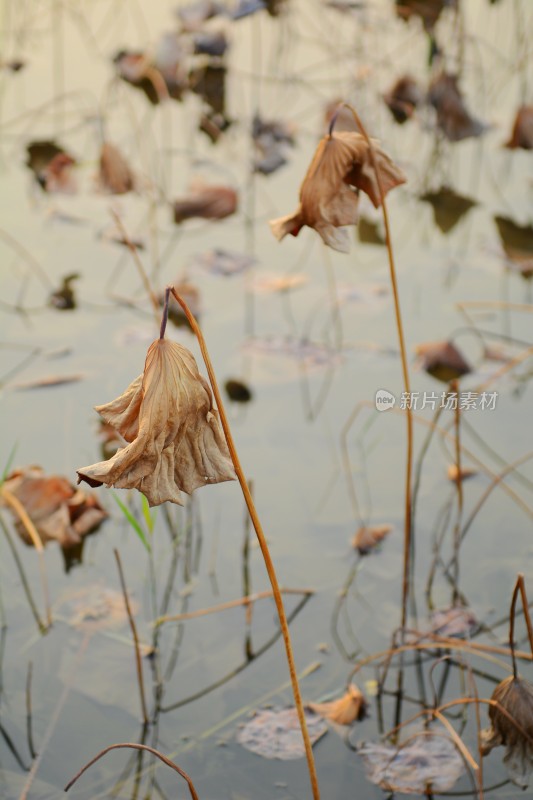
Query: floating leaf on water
x=193, y=15
x=167, y=416
x=442, y=360
x=213, y=125
x=369, y=536
x=328, y=203
x=370, y=232
x=269, y=160
x=275, y=7
x=457, y=622
x=115, y=174
x=448, y=207
x=49, y=381
x=209, y=82
x=138, y=69
x=59, y=511
x=244, y=8
x=206, y=202
x=52, y=166
x=517, y=242
x=429, y=11
x=276, y=733
x=64, y=298
x=515, y=696
x=465, y=473
x=209, y=43
x=453, y=118
x=344, y=711
x=269, y=283
x=368, y=294
x=13, y=65
x=273, y=130
x=223, y=262
x=403, y=98
x=429, y=762
x=311, y=354
x=238, y=391
x=522, y=135
x=97, y=608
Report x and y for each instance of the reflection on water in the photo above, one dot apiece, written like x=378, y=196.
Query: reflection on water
x=110, y=113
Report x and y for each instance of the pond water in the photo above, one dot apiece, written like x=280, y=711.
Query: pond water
x=312, y=355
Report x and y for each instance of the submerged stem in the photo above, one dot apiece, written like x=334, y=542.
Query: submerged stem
x=262, y=542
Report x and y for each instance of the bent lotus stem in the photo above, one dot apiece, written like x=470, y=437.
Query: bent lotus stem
x=405, y=371
x=260, y=536
x=135, y=746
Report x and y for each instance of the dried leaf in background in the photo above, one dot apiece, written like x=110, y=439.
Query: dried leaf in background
x=442, y=360
x=453, y=118
x=403, y=98
x=344, y=711
x=522, y=134
x=115, y=174
x=369, y=536
x=207, y=202
x=59, y=511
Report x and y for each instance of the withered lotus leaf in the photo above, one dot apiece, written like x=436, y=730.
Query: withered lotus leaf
x=329, y=198
x=115, y=174
x=207, y=202
x=369, y=536
x=174, y=434
x=344, y=711
x=515, y=696
x=522, y=134
x=442, y=360
x=453, y=118
x=58, y=511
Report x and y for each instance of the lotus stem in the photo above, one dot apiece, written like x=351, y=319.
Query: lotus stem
x=405, y=371
x=262, y=543
x=135, y=746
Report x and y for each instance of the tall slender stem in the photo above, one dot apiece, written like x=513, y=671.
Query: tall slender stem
x=262, y=544
x=405, y=371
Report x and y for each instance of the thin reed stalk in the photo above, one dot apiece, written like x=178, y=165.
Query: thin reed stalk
x=241, y=601
x=260, y=536
x=22, y=514
x=138, y=662
x=405, y=372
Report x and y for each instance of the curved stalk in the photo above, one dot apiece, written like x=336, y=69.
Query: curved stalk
x=260, y=537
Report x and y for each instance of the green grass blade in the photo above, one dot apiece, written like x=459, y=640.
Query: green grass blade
x=133, y=522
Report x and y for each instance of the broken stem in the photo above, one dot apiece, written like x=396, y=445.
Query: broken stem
x=262, y=543
x=525, y=604
x=405, y=371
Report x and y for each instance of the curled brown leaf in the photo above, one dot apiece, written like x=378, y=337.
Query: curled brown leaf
x=342, y=165
x=175, y=439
